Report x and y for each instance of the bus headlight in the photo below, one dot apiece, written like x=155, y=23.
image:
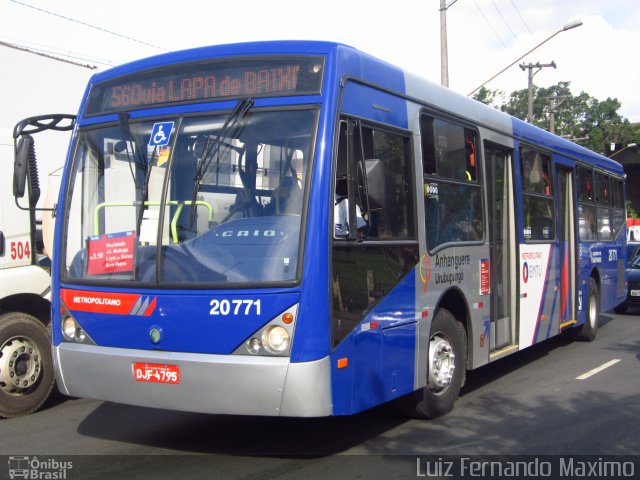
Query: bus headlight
x=72, y=332
x=276, y=339
x=69, y=328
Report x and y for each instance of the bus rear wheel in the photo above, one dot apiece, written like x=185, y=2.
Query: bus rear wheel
x=589, y=329
x=446, y=370
x=26, y=365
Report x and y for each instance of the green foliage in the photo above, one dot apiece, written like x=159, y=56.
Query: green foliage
x=583, y=119
x=489, y=97
x=631, y=213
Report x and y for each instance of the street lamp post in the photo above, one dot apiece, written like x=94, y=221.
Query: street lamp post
x=630, y=145
x=568, y=26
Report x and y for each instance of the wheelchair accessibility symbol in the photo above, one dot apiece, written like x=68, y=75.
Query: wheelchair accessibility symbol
x=160, y=134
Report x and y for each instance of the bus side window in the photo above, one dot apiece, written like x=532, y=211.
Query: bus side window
x=586, y=222
x=535, y=172
x=341, y=188
x=470, y=154
x=537, y=196
x=394, y=220
x=617, y=201
x=585, y=184
x=602, y=189
x=452, y=191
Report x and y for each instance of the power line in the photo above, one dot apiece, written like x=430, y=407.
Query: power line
x=39, y=47
x=489, y=23
x=89, y=25
x=521, y=17
x=42, y=54
x=503, y=19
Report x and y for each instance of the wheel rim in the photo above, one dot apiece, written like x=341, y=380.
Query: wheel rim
x=593, y=310
x=441, y=362
x=20, y=365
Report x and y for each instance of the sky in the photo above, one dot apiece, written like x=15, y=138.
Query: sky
x=484, y=36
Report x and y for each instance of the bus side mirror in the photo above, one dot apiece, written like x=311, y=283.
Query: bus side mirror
x=376, y=190
x=25, y=166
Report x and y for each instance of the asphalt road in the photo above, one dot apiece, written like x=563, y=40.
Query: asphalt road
x=532, y=403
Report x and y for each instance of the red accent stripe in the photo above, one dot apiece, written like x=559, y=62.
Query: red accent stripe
x=564, y=284
x=151, y=307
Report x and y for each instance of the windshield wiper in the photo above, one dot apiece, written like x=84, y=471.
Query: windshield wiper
x=212, y=148
x=130, y=140
x=140, y=162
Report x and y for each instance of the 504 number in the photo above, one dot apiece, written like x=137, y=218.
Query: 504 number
x=20, y=250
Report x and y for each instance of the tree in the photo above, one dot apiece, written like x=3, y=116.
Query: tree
x=489, y=97
x=583, y=119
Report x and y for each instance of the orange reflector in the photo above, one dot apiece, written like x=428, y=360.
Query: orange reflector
x=343, y=362
x=287, y=318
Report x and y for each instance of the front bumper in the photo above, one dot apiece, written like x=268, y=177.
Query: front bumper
x=631, y=301
x=218, y=384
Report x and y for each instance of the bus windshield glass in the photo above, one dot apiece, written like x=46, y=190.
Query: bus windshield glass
x=204, y=200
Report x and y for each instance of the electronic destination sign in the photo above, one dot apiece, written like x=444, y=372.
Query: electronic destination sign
x=209, y=81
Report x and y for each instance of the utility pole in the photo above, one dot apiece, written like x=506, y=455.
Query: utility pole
x=554, y=102
x=444, y=53
x=539, y=67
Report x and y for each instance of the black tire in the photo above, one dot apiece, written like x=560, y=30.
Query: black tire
x=589, y=330
x=436, y=399
x=25, y=358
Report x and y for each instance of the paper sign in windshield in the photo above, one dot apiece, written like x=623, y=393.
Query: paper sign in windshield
x=110, y=253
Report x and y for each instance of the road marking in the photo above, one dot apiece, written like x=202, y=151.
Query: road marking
x=602, y=367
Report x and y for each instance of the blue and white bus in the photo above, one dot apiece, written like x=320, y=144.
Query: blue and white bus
x=198, y=266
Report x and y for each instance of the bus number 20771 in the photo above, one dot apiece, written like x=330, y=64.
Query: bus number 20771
x=234, y=307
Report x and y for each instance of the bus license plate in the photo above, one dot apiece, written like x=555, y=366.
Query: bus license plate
x=156, y=373
x=635, y=293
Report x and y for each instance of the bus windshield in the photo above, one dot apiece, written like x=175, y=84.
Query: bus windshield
x=211, y=199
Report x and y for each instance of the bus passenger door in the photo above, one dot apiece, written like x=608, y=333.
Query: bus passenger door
x=502, y=245
x=567, y=242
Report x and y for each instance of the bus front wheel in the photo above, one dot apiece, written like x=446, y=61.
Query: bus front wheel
x=445, y=370
x=26, y=365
